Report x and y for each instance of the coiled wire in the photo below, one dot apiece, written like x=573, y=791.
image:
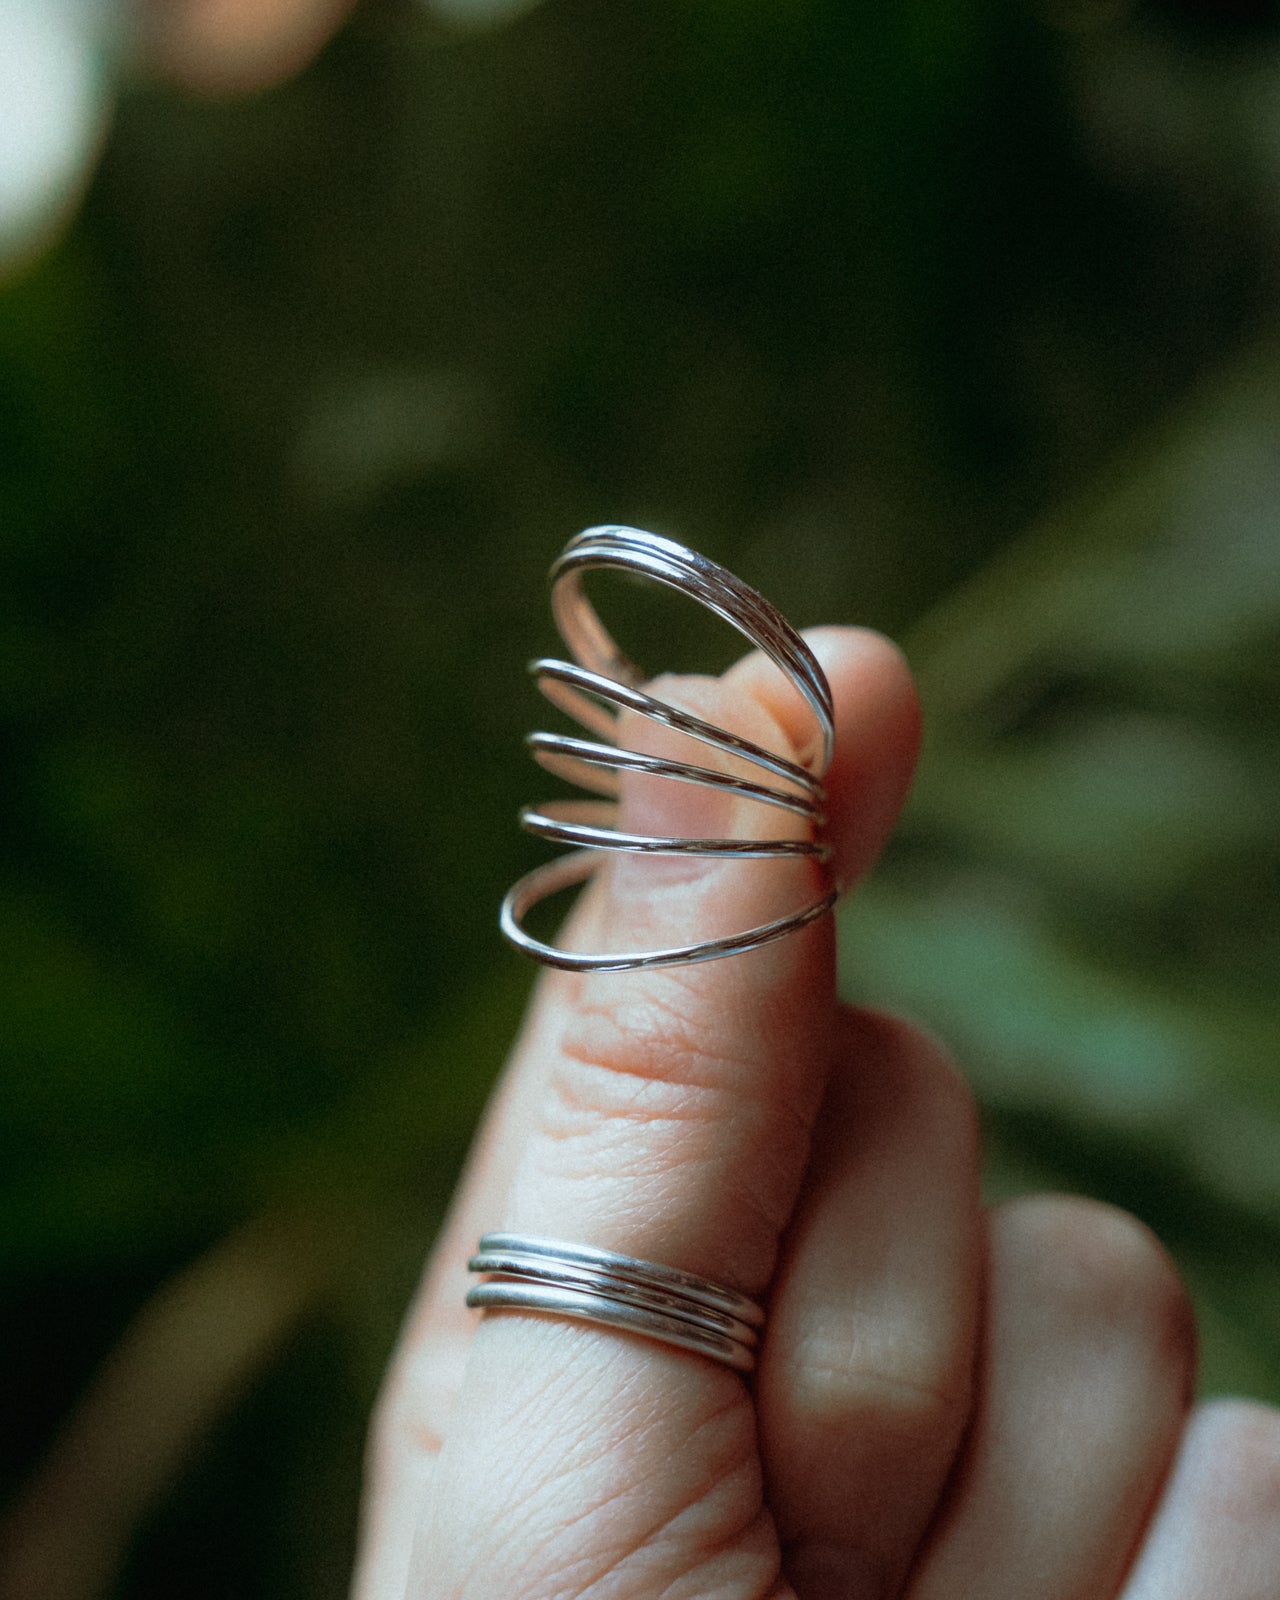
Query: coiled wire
x=600, y=684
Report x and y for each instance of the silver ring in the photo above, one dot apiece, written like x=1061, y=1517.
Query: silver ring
x=526, y=1273
x=602, y=684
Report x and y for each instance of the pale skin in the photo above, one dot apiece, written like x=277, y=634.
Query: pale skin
x=952, y=1403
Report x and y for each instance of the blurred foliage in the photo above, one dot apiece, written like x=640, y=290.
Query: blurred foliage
x=293, y=422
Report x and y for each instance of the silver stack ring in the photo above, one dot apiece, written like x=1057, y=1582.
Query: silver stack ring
x=525, y=1273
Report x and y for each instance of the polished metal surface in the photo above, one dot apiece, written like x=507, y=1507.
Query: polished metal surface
x=601, y=684
x=526, y=1273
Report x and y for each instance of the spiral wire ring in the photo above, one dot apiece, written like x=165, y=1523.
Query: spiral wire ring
x=601, y=684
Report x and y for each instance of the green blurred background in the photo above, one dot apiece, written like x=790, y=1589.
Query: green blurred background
x=953, y=317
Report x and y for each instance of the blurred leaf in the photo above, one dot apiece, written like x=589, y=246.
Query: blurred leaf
x=1098, y=782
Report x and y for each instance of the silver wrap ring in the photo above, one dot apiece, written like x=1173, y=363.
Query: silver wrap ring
x=600, y=684
x=525, y=1273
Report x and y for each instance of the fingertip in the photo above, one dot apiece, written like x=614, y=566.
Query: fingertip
x=1216, y=1529
x=878, y=732
x=894, y=1067
x=862, y=661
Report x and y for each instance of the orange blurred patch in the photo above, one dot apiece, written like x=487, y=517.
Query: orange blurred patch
x=231, y=46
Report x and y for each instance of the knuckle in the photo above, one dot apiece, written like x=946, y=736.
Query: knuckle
x=642, y=1078
x=662, y=1033
x=630, y=1145
x=832, y=1387
x=589, y=1105
x=1095, y=1266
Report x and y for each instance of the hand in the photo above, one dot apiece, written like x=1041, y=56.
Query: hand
x=950, y=1404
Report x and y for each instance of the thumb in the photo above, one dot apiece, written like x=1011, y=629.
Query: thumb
x=665, y=1114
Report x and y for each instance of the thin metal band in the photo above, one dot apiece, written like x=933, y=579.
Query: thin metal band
x=590, y=764
x=528, y=1273
x=530, y=1269
x=575, y=689
x=603, y=678
x=566, y=871
x=701, y=1291
x=551, y=1299
x=714, y=586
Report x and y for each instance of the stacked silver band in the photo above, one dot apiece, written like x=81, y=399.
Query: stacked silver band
x=571, y=1280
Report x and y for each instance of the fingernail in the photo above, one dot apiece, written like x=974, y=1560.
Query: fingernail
x=820, y=1570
